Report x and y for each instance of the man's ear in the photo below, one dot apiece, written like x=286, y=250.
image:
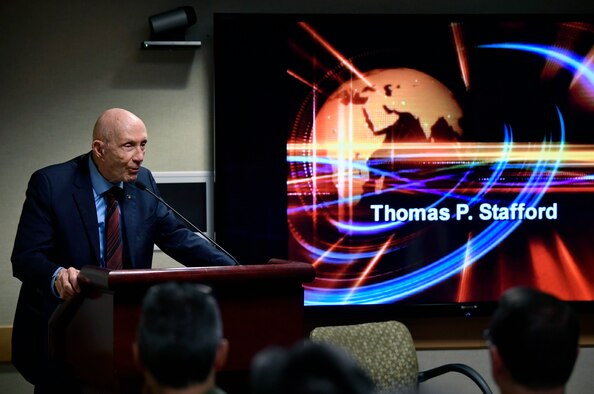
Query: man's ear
x=221, y=354
x=97, y=148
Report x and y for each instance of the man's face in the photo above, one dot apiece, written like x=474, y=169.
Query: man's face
x=122, y=155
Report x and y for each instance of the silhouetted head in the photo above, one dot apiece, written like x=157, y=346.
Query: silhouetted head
x=308, y=368
x=180, y=336
x=534, y=338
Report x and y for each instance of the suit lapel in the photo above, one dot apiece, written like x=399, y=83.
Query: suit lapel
x=130, y=215
x=85, y=202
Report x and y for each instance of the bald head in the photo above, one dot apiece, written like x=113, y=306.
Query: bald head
x=112, y=120
x=119, y=140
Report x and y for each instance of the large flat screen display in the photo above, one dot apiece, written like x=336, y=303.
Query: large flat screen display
x=411, y=159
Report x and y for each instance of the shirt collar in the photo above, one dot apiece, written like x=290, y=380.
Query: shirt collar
x=99, y=183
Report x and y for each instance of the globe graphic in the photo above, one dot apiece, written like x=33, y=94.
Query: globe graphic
x=385, y=108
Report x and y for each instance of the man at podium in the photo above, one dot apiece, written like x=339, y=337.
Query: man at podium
x=89, y=211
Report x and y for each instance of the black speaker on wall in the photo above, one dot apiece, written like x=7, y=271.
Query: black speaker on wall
x=172, y=25
x=168, y=29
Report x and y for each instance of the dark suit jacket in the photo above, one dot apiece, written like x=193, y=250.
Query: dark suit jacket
x=58, y=227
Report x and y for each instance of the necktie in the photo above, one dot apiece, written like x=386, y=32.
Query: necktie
x=113, y=236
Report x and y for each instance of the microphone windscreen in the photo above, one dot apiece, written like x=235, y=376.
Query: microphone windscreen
x=140, y=185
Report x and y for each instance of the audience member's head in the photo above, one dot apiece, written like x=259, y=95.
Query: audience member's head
x=308, y=368
x=534, y=342
x=180, y=340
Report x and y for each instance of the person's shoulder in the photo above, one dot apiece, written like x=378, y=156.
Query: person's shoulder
x=60, y=173
x=58, y=180
x=59, y=168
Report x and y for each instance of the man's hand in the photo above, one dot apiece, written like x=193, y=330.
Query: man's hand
x=67, y=283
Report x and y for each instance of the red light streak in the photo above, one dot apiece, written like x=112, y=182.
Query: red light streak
x=334, y=52
x=301, y=79
x=461, y=51
x=372, y=264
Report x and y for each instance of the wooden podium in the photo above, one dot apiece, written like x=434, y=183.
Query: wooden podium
x=92, y=335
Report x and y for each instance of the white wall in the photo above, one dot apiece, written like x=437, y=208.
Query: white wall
x=63, y=62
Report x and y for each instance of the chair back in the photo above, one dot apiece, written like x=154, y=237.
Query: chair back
x=384, y=349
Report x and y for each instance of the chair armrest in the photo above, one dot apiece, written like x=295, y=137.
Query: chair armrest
x=460, y=368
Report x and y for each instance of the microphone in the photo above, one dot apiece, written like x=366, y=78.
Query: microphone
x=143, y=187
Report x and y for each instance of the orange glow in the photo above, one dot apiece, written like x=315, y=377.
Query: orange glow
x=556, y=269
x=580, y=283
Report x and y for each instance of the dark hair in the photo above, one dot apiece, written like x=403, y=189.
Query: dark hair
x=308, y=368
x=179, y=332
x=537, y=337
